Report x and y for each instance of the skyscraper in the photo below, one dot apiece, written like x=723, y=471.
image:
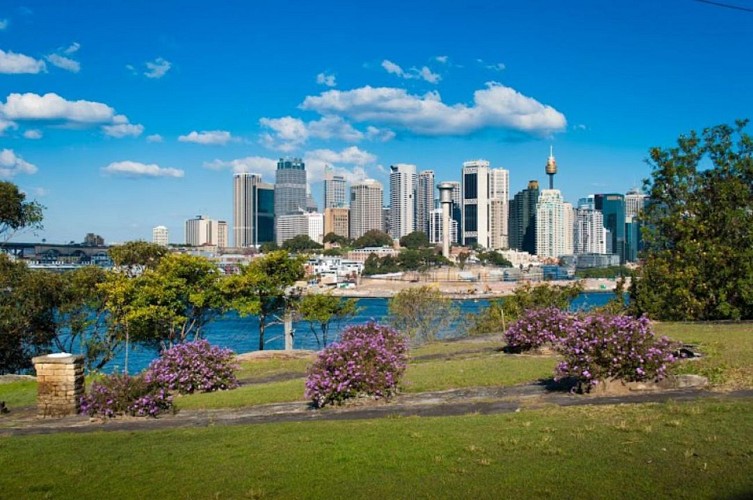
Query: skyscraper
x=290, y=186
x=499, y=194
x=336, y=220
x=475, y=191
x=612, y=207
x=253, y=210
x=522, y=228
x=403, y=184
x=550, y=224
x=335, y=194
x=425, y=200
x=365, y=207
x=589, y=231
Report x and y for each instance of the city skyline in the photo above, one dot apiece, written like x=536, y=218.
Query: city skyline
x=122, y=117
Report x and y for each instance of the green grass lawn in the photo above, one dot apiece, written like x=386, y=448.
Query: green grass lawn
x=700, y=449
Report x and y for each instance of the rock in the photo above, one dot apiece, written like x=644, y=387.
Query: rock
x=683, y=381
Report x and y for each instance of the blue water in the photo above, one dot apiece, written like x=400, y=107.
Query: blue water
x=242, y=334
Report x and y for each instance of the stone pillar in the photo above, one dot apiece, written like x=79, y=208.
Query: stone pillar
x=60, y=384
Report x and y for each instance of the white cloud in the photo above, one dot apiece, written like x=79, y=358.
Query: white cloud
x=52, y=107
x=350, y=162
x=492, y=66
x=123, y=130
x=72, y=48
x=412, y=74
x=252, y=164
x=495, y=106
x=288, y=133
x=154, y=138
x=379, y=134
x=12, y=63
x=3, y=24
x=5, y=124
x=11, y=164
x=58, y=110
x=157, y=68
x=63, y=62
x=33, y=134
x=441, y=59
x=135, y=169
x=207, y=137
x=324, y=79
x=40, y=192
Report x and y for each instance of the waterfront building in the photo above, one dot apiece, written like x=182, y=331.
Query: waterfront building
x=336, y=220
x=403, y=186
x=550, y=224
x=290, y=186
x=335, y=192
x=253, y=210
x=424, y=200
x=365, y=207
x=160, y=236
x=522, y=221
x=475, y=207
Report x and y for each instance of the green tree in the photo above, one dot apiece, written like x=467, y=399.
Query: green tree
x=415, y=240
x=133, y=257
x=337, y=239
x=27, y=315
x=268, y=246
x=264, y=287
x=300, y=243
x=169, y=304
x=421, y=313
x=320, y=310
x=698, y=229
x=373, y=238
x=16, y=213
x=462, y=259
x=494, y=258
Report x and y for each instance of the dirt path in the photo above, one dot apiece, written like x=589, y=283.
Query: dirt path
x=481, y=400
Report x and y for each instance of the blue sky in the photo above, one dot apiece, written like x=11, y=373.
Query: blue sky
x=122, y=115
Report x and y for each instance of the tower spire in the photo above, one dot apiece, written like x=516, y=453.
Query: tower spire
x=551, y=167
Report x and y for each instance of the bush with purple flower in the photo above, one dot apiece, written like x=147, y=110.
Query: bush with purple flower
x=538, y=327
x=194, y=367
x=601, y=347
x=120, y=394
x=369, y=360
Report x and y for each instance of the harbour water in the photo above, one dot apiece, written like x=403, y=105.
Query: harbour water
x=242, y=334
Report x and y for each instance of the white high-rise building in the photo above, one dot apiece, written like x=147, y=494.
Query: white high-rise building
x=634, y=203
x=403, y=184
x=309, y=223
x=424, y=200
x=550, y=224
x=569, y=228
x=202, y=231
x=590, y=234
x=475, y=208
x=365, y=207
x=160, y=236
x=499, y=198
x=436, y=229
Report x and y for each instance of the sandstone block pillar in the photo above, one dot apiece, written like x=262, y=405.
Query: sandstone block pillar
x=60, y=384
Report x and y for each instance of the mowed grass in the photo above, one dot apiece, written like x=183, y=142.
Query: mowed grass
x=701, y=449
x=19, y=393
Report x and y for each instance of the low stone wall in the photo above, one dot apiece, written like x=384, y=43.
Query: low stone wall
x=60, y=384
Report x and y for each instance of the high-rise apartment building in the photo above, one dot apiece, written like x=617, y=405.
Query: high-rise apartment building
x=569, y=228
x=160, y=236
x=290, y=186
x=499, y=194
x=475, y=206
x=289, y=226
x=203, y=231
x=403, y=186
x=456, y=212
x=436, y=229
x=522, y=225
x=253, y=210
x=635, y=200
x=335, y=192
x=612, y=207
x=337, y=221
x=550, y=224
x=424, y=200
x=589, y=234
x=365, y=207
